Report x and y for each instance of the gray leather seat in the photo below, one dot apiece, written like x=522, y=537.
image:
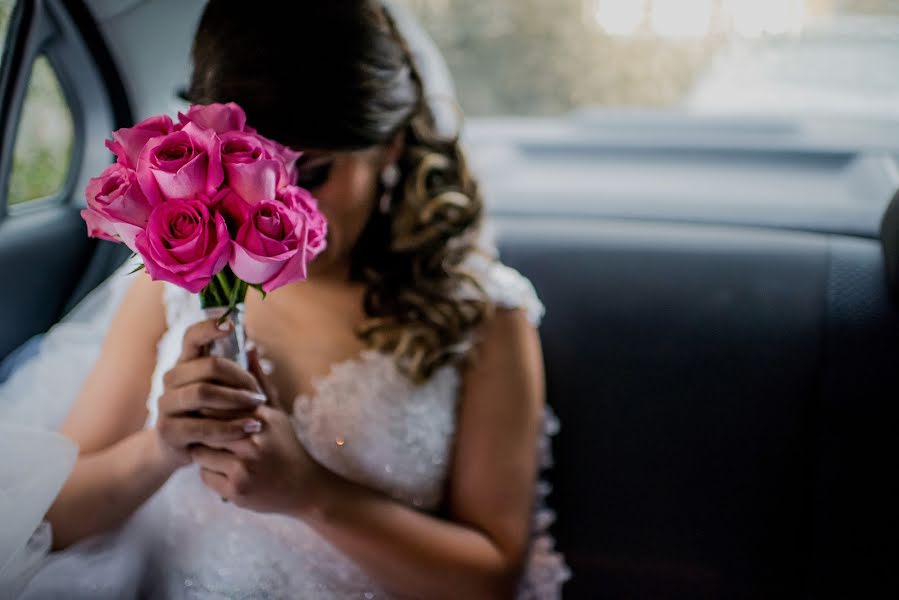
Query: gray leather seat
x=728, y=407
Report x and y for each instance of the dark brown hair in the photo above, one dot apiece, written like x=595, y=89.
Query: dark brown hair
x=338, y=75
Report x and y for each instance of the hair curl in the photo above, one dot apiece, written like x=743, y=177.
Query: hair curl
x=420, y=302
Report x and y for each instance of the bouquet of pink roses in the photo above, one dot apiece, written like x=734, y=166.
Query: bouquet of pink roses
x=208, y=204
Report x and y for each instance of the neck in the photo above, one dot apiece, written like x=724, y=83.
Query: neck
x=335, y=272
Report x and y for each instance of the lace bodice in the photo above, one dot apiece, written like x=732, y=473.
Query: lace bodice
x=365, y=421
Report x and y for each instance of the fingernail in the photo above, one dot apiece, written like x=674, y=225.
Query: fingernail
x=257, y=397
x=252, y=427
x=225, y=326
x=267, y=366
x=250, y=345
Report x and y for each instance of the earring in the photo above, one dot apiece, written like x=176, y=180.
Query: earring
x=390, y=176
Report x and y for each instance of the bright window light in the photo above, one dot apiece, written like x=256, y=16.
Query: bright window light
x=681, y=18
x=753, y=18
x=620, y=17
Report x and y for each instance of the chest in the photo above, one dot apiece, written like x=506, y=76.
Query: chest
x=352, y=408
x=301, y=338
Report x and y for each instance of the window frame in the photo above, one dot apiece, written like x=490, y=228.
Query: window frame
x=64, y=32
x=64, y=191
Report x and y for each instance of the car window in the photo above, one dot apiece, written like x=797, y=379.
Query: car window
x=547, y=57
x=5, y=12
x=44, y=138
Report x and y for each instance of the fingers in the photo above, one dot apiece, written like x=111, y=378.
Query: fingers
x=203, y=395
x=181, y=432
x=265, y=383
x=222, y=471
x=211, y=368
x=220, y=461
x=269, y=414
x=199, y=335
x=217, y=482
x=245, y=449
x=222, y=415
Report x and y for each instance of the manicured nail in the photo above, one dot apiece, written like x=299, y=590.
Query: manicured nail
x=257, y=397
x=252, y=427
x=267, y=366
x=225, y=326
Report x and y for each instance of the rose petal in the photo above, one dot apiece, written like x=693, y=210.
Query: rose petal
x=302, y=201
x=217, y=117
x=117, y=195
x=254, y=182
x=295, y=268
x=240, y=147
x=98, y=226
x=317, y=234
x=254, y=241
x=187, y=182
x=209, y=242
x=145, y=177
x=299, y=199
x=211, y=144
x=127, y=234
x=256, y=269
x=234, y=209
x=127, y=143
x=287, y=174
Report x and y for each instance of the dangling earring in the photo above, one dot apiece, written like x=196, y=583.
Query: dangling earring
x=390, y=176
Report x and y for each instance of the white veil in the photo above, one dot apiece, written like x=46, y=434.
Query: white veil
x=33, y=403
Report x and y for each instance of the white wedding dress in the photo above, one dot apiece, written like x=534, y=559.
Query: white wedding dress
x=365, y=421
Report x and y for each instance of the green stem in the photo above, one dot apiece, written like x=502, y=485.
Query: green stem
x=223, y=281
x=216, y=294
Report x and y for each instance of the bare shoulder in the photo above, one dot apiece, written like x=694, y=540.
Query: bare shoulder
x=507, y=353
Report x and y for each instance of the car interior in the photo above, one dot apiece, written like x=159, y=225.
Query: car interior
x=722, y=352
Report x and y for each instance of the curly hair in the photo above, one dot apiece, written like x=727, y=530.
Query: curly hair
x=420, y=302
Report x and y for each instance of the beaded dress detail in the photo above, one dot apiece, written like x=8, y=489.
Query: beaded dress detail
x=366, y=422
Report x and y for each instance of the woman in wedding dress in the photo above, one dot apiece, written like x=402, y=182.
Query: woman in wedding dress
x=386, y=439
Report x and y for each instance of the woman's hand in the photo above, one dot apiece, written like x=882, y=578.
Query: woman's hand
x=268, y=472
x=207, y=400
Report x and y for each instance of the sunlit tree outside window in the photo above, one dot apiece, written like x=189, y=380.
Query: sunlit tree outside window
x=44, y=140
x=547, y=57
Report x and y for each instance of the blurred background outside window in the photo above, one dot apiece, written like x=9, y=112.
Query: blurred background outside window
x=45, y=134
x=547, y=57
x=550, y=57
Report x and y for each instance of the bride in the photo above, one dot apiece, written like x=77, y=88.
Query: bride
x=386, y=438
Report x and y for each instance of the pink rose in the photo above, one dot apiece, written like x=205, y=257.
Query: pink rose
x=300, y=200
x=117, y=210
x=184, y=244
x=250, y=169
x=217, y=117
x=181, y=164
x=128, y=143
x=270, y=246
x=287, y=158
